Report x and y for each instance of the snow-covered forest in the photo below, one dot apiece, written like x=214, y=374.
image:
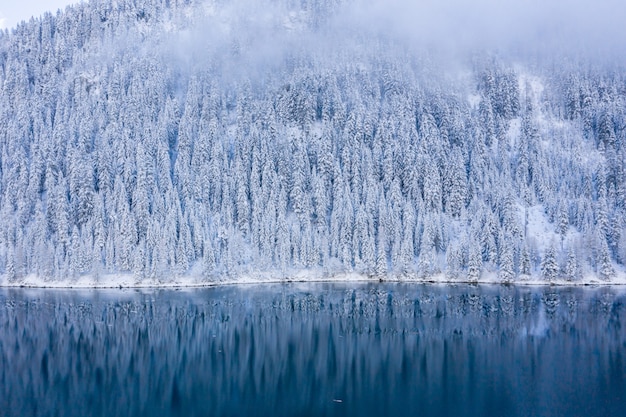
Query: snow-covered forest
x=164, y=139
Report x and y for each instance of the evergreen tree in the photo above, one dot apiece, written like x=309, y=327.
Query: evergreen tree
x=525, y=262
x=549, y=265
x=149, y=164
x=506, y=273
x=454, y=263
x=475, y=262
x=571, y=271
x=605, y=266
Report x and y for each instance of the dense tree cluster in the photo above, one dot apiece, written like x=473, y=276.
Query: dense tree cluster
x=117, y=156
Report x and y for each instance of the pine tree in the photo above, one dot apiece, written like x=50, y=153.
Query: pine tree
x=563, y=222
x=549, y=265
x=10, y=272
x=75, y=254
x=426, y=261
x=621, y=248
x=475, y=262
x=432, y=186
x=506, y=273
x=380, y=268
x=605, y=265
x=407, y=251
x=455, y=184
x=454, y=262
x=359, y=238
x=427, y=258
x=571, y=271
x=525, y=263
x=151, y=167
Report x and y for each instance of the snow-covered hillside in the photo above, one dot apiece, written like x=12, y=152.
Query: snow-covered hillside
x=162, y=142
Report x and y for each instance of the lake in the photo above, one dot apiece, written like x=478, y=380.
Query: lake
x=314, y=350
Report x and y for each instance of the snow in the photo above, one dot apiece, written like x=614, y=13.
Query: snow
x=473, y=100
x=530, y=84
x=513, y=134
x=304, y=276
x=294, y=21
x=538, y=228
x=343, y=145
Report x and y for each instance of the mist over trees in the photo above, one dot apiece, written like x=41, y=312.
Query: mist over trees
x=166, y=138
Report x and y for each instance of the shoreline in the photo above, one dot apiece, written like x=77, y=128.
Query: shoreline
x=124, y=283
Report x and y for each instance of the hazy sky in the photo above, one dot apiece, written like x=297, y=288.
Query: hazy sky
x=14, y=11
x=582, y=26
x=501, y=24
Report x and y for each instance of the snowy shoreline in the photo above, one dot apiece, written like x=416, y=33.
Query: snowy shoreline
x=128, y=282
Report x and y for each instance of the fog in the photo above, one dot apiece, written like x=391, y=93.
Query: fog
x=491, y=24
x=265, y=30
x=517, y=28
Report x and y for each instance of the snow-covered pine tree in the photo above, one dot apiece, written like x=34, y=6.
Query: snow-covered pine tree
x=525, y=266
x=475, y=261
x=606, y=271
x=572, y=269
x=549, y=265
x=506, y=272
x=128, y=149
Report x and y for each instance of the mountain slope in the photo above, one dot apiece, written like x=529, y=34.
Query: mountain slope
x=207, y=139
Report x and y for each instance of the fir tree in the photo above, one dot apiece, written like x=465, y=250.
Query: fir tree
x=506, y=273
x=475, y=262
x=549, y=265
x=605, y=266
x=571, y=271
x=525, y=263
x=148, y=164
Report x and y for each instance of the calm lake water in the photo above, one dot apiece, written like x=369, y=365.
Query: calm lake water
x=314, y=350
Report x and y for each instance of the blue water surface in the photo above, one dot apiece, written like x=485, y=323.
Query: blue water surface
x=314, y=350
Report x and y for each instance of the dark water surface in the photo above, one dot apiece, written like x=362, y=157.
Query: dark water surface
x=314, y=350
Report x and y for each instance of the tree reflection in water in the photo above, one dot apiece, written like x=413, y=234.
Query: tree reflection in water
x=321, y=349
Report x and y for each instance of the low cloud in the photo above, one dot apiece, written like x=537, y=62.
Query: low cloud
x=511, y=27
x=245, y=38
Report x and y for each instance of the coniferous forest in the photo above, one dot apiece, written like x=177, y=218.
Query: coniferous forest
x=164, y=139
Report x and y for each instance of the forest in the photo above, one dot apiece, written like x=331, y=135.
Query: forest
x=163, y=139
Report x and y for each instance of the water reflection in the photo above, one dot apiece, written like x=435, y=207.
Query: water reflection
x=314, y=350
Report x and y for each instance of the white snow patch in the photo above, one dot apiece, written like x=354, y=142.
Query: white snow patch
x=531, y=89
x=473, y=100
x=514, y=132
x=541, y=233
x=538, y=229
x=295, y=21
x=303, y=276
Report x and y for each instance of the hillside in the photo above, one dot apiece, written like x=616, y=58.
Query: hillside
x=167, y=141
